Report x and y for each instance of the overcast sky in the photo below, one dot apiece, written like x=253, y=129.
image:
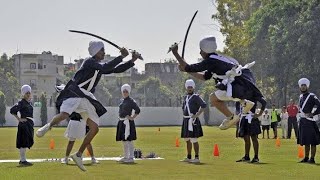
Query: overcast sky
x=148, y=26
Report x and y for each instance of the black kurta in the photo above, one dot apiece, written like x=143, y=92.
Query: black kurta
x=86, y=72
x=243, y=87
x=126, y=107
x=195, y=103
x=25, y=132
x=308, y=130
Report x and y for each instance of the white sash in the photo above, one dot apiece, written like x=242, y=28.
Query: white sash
x=191, y=121
x=248, y=116
x=228, y=78
x=127, y=129
x=91, y=80
x=302, y=114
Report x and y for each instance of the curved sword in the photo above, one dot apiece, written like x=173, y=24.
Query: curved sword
x=90, y=34
x=186, y=36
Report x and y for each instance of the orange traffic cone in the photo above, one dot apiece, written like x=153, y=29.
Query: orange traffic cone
x=52, y=144
x=177, y=142
x=216, y=150
x=300, y=152
x=278, y=143
x=87, y=153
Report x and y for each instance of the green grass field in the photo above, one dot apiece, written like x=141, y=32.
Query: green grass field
x=276, y=162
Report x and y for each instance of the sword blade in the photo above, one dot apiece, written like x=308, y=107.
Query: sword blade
x=90, y=34
x=186, y=36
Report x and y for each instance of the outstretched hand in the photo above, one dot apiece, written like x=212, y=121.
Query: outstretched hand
x=124, y=52
x=174, y=48
x=135, y=56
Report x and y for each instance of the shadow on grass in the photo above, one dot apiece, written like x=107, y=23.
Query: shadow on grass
x=23, y=166
x=197, y=164
x=83, y=164
x=316, y=164
x=259, y=163
x=128, y=164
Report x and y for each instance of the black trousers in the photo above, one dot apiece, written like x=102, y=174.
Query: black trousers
x=292, y=121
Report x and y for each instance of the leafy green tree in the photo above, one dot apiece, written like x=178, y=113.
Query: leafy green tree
x=2, y=109
x=285, y=39
x=9, y=83
x=44, y=111
x=154, y=92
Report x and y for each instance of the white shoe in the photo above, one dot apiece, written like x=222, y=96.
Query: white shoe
x=247, y=106
x=94, y=161
x=227, y=123
x=185, y=160
x=78, y=161
x=64, y=160
x=122, y=160
x=128, y=161
x=43, y=130
x=195, y=161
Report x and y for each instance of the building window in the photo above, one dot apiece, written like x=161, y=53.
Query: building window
x=168, y=68
x=33, y=66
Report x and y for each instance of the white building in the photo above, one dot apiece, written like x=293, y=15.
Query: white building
x=40, y=71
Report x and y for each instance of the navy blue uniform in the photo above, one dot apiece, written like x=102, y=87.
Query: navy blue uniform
x=25, y=129
x=308, y=133
x=125, y=109
x=86, y=72
x=252, y=128
x=243, y=87
x=195, y=103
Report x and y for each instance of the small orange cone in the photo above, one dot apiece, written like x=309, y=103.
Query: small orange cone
x=87, y=153
x=300, y=152
x=216, y=150
x=278, y=143
x=177, y=142
x=52, y=144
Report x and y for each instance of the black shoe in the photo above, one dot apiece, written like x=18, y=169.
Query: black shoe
x=311, y=161
x=244, y=159
x=25, y=163
x=304, y=160
x=255, y=160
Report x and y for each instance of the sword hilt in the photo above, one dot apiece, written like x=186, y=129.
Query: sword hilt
x=172, y=46
x=136, y=52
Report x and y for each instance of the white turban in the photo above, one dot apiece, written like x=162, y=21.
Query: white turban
x=304, y=81
x=95, y=47
x=126, y=87
x=24, y=89
x=189, y=82
x=208, y=44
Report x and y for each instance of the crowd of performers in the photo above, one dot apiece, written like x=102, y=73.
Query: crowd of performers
x=234, y=82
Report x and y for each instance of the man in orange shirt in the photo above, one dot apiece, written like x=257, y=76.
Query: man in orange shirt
x=292, y=110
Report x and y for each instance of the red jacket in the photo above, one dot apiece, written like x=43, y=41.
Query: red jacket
x=292, y=110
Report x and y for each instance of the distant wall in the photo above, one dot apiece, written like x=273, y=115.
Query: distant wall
x=149, y=116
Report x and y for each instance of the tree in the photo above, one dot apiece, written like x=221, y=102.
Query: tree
x=44, y=111
x=154, y=92
x=232, y=16
x=206, y=89
x=285, y=38
x=2, y=109
x=9, y=83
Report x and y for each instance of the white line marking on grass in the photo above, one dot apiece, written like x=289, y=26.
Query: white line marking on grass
x=85, y=159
